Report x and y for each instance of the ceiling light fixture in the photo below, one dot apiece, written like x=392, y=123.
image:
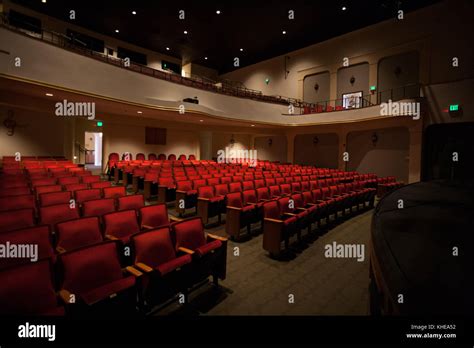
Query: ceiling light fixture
x=43, y=1
x=49, y=94
x=205, y=58
x=139, y=112
x=134, y=12
x=167, y=48
x=218, y=12
x=241, y=50
x=252, y=125
x=284, y=32
x=201, y=120
x=185, y=32
x=344, y=8
x=117, y=31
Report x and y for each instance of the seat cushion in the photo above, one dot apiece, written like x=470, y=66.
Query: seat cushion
x=173, y=264
x=191, y=192
x=207, y=248
x=216, y=199
x=106, y=290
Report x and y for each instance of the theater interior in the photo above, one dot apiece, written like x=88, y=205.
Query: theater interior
x=188, y=158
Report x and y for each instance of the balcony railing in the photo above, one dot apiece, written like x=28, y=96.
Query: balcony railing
x=227, y=87
x=357, y=102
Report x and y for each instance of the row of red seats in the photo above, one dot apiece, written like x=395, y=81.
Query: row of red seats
x=21, y=211
x=95, y=279
x=321, y=108
x=151, y=157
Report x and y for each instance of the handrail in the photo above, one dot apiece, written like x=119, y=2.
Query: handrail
x=398, y=93
x=235, y=89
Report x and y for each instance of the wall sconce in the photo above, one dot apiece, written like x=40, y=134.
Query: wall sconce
x=352, y=80
x=315, y=141
x=270, y=141
x=375, y=139
x=232, y=140
x=10, y=123
x=316, y=87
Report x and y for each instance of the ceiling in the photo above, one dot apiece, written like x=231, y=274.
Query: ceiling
x=256, y=26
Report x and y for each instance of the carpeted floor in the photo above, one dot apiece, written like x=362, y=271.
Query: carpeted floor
x=259, y=285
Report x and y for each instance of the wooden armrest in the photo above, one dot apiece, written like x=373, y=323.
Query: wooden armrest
x=289, y=214
x=180, y=191
x=60, y=250
x=147, y=227
x=310, y=204
x=203, y=199
x=186, y=250
x=65, y=295
x=143, y=267
x=133, y=271
x=302, y=209
x=108, y=236
x=213, y=236
x=273, y=220
x=233, y=208
x=174, y=218
x=321, y=200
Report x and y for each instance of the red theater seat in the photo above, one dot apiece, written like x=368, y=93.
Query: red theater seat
x=28, y=290
x=209, y=204
x=68, y=180
x=182, y=158
x=75, y=234
x=87, y=195
x=152, y=157
x=93, y=275
x=239, y=215
x=277, y=228
x=39, y=236
x=17, y=202
x=16, y=219
x=44, y=182
x=168, y=273
x=154, y=216
x=140, y=157
x=121, y=225
x=49, y=188
x=192, y=158
x=75, y=187
x=172, y=157
x=161, y=157
x=54, y=214
x=166, y=190
x=186, y=196
x=114, y=192
x=98, y=207
x=15, y=191
x=53, y=198
x=100, y=185
x=134, y=202
x=89, y=179
x=209, y=252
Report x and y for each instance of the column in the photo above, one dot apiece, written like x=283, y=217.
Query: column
x=414, y=154
x=205, y=145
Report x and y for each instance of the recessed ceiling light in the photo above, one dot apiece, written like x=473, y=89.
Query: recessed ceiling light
x=344, y=8
x=241, y=50
x=134, y=12
x=205, y=58
x=252, y=125
x=43, y=1
x=185, y=32
x=49, y=94
x=139, y=112
x=117, y=31
x=284, y=32
x=167, y=48
x=201, y=120
x=218, y=12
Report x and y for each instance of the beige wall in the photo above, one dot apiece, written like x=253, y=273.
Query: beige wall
x=36, y=134
x=389, y=157
x=221, y=140
x=274, y=152
x=323, y=154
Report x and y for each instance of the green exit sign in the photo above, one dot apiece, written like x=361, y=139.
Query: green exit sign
x=373, y=88
x=454, y=107
x=99, y=124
